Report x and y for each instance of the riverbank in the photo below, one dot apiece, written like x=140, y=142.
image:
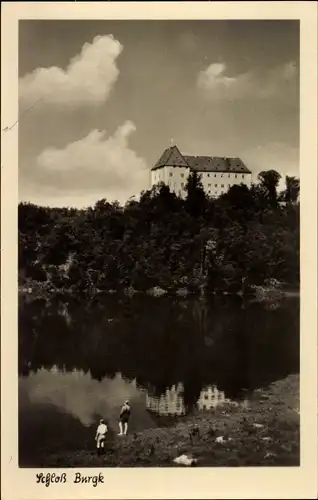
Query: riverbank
x=265, y=432
x=40, y=290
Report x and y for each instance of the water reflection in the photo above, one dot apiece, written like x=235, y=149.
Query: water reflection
x=171, y=403
x=78, y=362
x=169, y=356
x=160, y=343
x=211, y=397
x=77, y=394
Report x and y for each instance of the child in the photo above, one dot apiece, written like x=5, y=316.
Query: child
x=123, y=419
x=100, y=436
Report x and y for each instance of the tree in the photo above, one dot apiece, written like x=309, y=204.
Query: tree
x=196, y=199
x=269, y=181
x=291, y=193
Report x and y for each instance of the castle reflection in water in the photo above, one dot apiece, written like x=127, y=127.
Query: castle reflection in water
x=172, y=402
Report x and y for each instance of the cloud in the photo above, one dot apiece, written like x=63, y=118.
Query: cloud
x=280, y=82
x=94, y=167
x=278, y=156
x=88, y=79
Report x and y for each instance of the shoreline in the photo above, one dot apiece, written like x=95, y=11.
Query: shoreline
x=259, y=294
x=264, y=433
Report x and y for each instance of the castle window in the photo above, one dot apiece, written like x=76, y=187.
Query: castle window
x=208, y=175
x=170, y=174
x=214, y=175
x=182, y=175
x=235, y=176
x=229, y=175
x=209, y=185
x=221, y=175
x=242, y=176
x=216, y=185
x=222, y=185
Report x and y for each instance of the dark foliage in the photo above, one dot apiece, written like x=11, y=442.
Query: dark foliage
x=245, y=237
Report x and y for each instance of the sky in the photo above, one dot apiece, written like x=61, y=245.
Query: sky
x=99, y=101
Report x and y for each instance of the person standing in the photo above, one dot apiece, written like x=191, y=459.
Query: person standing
x=124, y=418
x=101, y=436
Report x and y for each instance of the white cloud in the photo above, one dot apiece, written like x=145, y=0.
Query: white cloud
x=97, y=166
x=216, y=84
x=88, y=79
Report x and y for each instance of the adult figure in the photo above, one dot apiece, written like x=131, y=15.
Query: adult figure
x=124, y=418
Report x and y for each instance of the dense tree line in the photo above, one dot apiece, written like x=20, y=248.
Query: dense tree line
x=245, y=237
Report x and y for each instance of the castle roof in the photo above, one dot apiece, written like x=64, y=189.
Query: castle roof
x=172, y=157
x=216, y=164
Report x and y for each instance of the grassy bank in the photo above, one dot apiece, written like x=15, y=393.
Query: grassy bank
x=265, y=433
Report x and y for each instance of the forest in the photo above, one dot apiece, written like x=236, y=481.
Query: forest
x=247, y=237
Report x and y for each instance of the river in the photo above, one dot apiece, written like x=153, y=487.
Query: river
x=79, y=362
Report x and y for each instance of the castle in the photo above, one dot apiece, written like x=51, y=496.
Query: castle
x=217, y=174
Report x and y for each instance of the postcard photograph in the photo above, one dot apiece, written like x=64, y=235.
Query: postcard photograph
x=159, y=243
x=158, y=258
